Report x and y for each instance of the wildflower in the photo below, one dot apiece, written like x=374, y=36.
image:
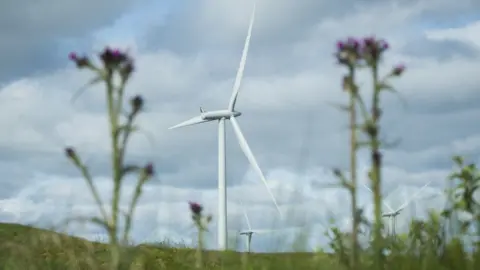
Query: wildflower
x=348, y=52
x=113, y=58
x=73, y=56
x=149, y=170
x=340, y=45
x=196, y=208
x=398, y=70
x=81, y=62
x=372, y=49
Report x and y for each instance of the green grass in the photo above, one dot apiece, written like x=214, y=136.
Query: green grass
x=24, y=247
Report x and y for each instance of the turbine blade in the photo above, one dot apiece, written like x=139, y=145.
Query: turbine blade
x=408, y=201
x=246, y=218
x=243, y=60
x=192, y=121
x=384, y=202
x=251, y=158
x=264, y=231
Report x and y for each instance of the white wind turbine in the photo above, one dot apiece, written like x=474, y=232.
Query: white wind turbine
x=221, y=116
x=250, y=232
x=392, y=214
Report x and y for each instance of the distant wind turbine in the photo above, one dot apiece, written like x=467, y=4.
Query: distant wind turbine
x=392, y=214
x=250, y=232
x=221, y=116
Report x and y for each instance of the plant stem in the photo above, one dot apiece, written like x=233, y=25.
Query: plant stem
x=199, y=259
x=353, y=167
x=131, y=209
x=376, y=169
x=116, y=171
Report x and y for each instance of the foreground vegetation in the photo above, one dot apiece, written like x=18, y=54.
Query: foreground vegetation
x=426, y=246
x=25, y=247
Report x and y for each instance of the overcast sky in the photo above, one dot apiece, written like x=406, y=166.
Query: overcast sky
x=186, y=55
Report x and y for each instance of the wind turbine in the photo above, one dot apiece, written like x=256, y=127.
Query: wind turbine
x=250, y=232
x=221, y=116
x=392, y=214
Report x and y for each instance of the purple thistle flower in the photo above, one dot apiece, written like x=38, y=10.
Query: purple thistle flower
x=73, y=56
x=353, y=43
x=116, y=52
x=372, y=49
x=196, y=208
x=81, y=62
x=398, y=70
x=382, y=45
x=113, y=58
x=340, y=45
x=149, y=170
x=348, y=51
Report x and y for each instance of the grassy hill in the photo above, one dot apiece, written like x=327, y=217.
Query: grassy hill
x=23, y=247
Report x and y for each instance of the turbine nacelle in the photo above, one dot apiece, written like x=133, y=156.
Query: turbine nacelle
x=392, y=214
x=217, y=115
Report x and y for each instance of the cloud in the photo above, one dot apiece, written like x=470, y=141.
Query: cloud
x=33, y=33
x=290, y=84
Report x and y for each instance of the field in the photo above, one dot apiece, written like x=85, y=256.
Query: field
x=24, y=247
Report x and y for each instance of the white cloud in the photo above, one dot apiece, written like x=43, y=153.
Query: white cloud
x=467, y=33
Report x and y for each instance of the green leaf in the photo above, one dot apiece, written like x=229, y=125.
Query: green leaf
x=458, y=160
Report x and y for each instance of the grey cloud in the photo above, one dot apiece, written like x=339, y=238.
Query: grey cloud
x=206, y=25
x=440, y=50
x=32, y=32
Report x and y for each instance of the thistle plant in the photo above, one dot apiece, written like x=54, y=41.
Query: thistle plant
x=201, y=222
x=115, y=71
x=348, y=56
x=357, y=54
x=463, y=196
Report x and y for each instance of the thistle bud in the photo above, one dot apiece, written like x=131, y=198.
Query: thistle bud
x=398, y=70
x=81, y=62
x=72, y=155
x=149, y=170
x=137, y=103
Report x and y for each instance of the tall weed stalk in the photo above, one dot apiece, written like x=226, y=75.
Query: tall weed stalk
x=360, y=54
x=114, y=73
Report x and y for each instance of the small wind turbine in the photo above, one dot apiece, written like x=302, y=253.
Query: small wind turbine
x=249, y=233
x=392, y=214
x=221, y=116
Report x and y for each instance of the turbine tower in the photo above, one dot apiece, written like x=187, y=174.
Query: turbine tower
x=392, y=214
x=221, y=116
